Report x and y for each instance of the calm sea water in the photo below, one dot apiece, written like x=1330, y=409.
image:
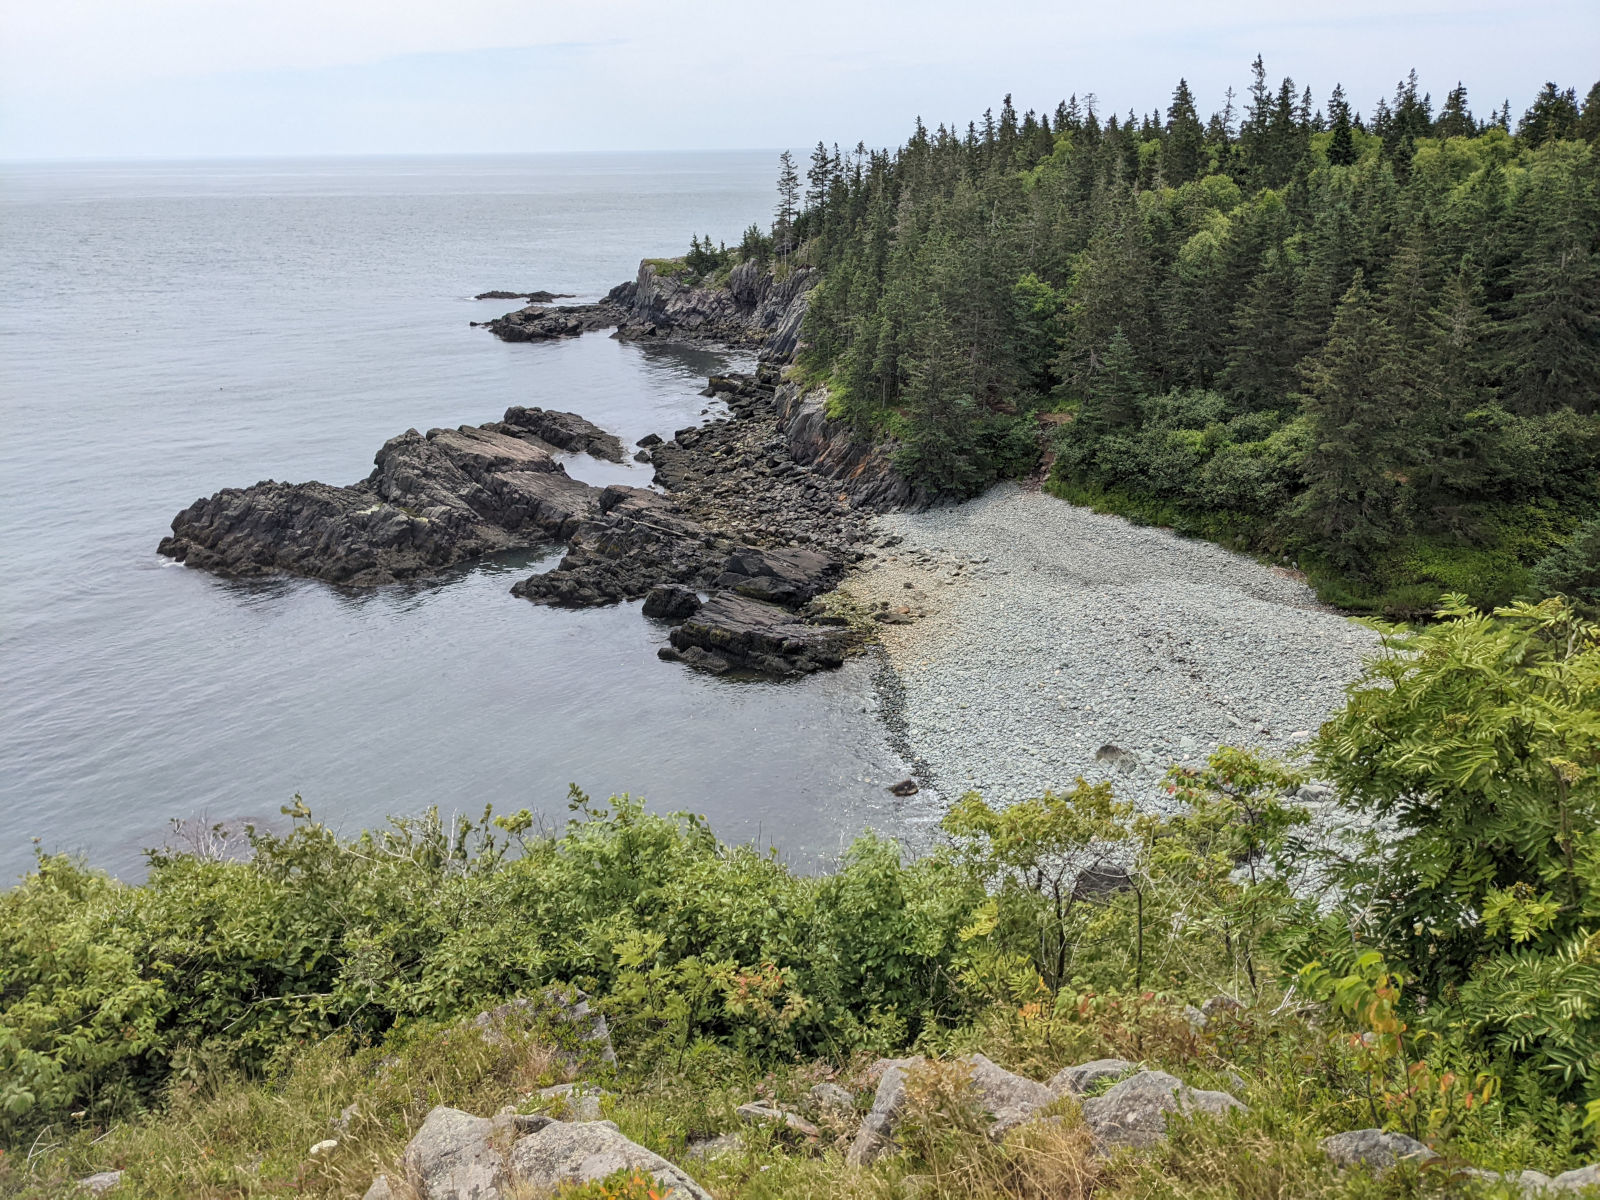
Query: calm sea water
x=168, y=330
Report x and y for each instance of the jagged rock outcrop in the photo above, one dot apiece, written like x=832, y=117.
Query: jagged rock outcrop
x=758, y=305
x=564, y=431
x=734, y=632
x=864, y=470
x=538, y=323
x=431, y=501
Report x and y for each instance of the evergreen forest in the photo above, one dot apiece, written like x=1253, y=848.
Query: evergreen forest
x=1368, y=343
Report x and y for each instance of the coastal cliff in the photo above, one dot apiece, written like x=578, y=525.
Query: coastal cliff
x=754, y=305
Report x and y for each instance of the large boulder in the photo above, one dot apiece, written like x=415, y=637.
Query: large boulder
x=786, y=577
x=1377, y=1149
x=562, y=1153
x=1577, y=1180
x=731, y=630
x=452, y=1157
x=1134, y=1112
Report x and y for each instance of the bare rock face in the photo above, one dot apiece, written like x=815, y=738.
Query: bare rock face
x=1077, y=1081
x=1008, y=1098
x=875, y=1138
x=452, y=1158
x=100, y=1182
x=863, y=470
x=786, y=577
x=754, y=306
x=1134, y=1112
x=564, y=431
x=563, y=1153
x=1374, y=1148
x=431, y=502
x=733, y=631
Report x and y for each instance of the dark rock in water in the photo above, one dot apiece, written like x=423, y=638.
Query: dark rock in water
x=536, y=324
x=641, y=456
x=636, y=540
x=540, y=297
x=564, y=431
x=648, y=440
x=787, y=577
x=671, y=601
x=758, y=636
x=431, y=502
x=906, y=787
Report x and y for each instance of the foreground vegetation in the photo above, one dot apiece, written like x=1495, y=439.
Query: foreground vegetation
x=1438, y=974
x=1371, y=345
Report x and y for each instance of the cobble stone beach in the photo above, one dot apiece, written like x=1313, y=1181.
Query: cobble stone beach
x=1043, y=641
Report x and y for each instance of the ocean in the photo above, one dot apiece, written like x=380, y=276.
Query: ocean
x=170, y=329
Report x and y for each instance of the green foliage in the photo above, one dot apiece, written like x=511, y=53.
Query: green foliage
x=1476, y=743
x=1573, y=570
x=1103, y=267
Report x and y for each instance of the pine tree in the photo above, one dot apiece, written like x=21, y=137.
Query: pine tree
x=1455, y=119
x=1342, y=149
x=1552, y=116
x=1185, y=140
x=1116, y=388
x=1588, y=126
x=1355, y=403
x=788, y=202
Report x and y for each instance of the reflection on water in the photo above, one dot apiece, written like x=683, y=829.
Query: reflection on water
x=250, y=323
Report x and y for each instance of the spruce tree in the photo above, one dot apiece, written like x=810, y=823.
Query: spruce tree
x=1342, y=149
x=1552, y=116
x=788, y=202
x=1355, y=404
x=1185, y=140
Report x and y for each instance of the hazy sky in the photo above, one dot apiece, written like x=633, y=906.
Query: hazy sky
x=181, y=78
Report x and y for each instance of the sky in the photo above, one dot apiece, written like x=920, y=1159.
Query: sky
x=244, y=78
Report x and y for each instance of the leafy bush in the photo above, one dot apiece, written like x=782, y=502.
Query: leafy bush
x=1475, y=743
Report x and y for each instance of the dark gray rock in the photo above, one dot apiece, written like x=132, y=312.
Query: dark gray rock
x=538, y=324
x=430, y=502
x=671, y=601
x=564, y=431
x=786, y=577
x=758, y=636
x=1375, y=1148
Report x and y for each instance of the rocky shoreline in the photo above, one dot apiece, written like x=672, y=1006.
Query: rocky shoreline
x=758, y=514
